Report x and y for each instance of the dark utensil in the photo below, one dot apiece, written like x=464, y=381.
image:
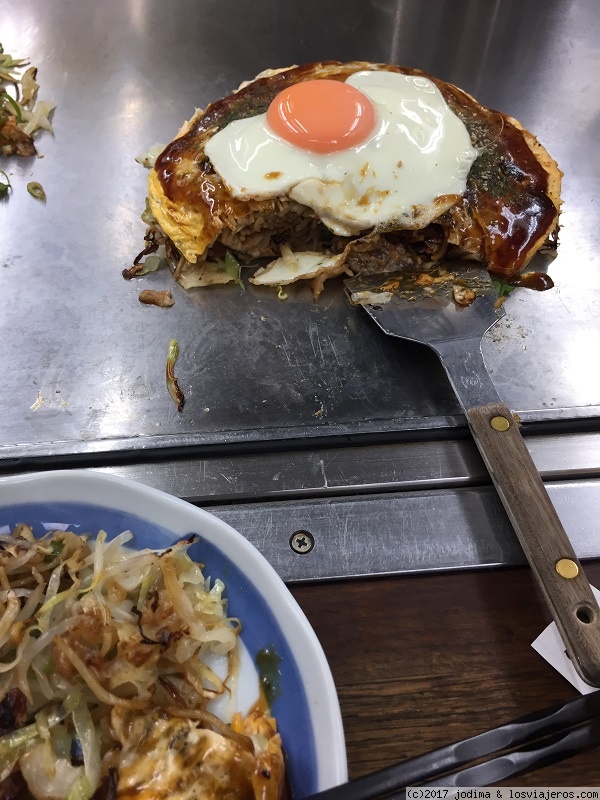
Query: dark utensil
x=422, y=307
x=544, y=737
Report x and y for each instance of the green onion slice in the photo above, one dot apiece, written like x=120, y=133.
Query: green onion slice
x=4, y=187
x=36, y=190
x=172, y=385
x=16, y=107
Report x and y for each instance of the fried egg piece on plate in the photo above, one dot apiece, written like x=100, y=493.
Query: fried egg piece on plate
x=173, y=758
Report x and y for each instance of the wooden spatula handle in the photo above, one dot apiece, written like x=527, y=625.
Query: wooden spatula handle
x=541, y=534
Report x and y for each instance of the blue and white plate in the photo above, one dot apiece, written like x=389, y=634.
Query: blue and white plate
x=306, y=708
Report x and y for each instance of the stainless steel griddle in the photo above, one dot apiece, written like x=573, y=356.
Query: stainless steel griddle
x=297, y=415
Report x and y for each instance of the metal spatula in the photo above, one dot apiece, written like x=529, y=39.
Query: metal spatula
x=422, y=307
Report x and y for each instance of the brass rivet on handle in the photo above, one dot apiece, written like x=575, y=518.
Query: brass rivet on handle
x=500, y=423
x=567, y=568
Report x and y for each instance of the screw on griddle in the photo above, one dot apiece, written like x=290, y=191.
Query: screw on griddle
x=302, y=542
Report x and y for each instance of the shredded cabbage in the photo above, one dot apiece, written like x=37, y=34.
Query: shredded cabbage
x=148, y=159
x=89, y=627
x=90, y=745
x=30, y=115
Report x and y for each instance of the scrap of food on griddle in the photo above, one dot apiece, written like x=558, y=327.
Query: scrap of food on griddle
x=22, y=116
x=21, y=113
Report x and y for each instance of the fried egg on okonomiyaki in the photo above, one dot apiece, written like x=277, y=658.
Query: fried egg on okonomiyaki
x=420, y=172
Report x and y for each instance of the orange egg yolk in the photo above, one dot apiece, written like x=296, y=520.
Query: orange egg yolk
x=321, y=116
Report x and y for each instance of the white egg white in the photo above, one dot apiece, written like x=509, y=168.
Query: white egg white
x=297, y=266
x=411, y=168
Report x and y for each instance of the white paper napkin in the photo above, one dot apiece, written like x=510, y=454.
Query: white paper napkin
x=550, y=646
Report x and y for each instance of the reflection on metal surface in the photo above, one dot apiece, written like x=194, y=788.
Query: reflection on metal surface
x=353, y=470
x=125, y=75
x=576, y=367
x=407, y=532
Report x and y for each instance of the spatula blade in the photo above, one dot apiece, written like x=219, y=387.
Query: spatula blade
x=407, y=305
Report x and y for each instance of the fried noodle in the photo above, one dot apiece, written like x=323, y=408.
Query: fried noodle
x=88, y=627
